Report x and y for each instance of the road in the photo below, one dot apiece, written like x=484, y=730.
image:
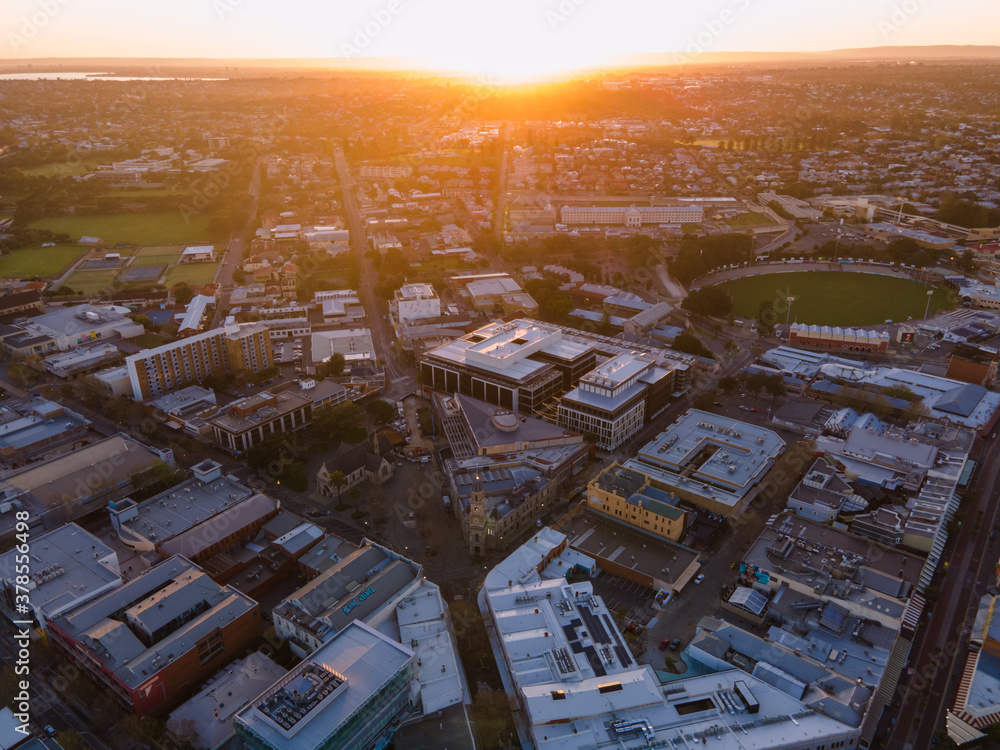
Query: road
x=234, y=254
x=961, y=587
x=402, y=379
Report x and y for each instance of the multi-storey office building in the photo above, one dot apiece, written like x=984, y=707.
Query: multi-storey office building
x=613, y=401
x=350, y=694
x=525, y=363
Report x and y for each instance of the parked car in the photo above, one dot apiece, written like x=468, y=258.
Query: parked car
x=664, y=643
x=700, y=578
x=675, y=644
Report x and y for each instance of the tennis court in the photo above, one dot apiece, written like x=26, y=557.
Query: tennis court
x=141, y=273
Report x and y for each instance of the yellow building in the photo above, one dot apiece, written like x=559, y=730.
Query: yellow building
x=627, y=496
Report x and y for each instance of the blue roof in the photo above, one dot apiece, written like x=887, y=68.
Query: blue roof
x=962, y=400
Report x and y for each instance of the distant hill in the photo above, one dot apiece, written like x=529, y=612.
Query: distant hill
x=916, y=53
x=265, y=66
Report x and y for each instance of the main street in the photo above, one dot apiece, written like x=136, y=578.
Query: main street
x=962, y=585
x=401, y=377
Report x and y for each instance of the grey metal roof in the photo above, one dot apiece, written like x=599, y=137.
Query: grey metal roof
x=961, y=400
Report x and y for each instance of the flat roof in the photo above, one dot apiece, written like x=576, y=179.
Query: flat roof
x=206, y=719
x=603, y=538
x=262, y=408
x=325, y=598
x=709, y=454
x=35, y=428
x=355, y=666
x=68, y=564
x=99, y=625
x=60, y=479
x=858, y=571
x=184, y=506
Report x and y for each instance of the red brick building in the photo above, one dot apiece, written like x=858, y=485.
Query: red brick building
x=839, y=339
x=159, y=635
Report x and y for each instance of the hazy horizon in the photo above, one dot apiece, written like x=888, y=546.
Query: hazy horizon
x=516, y=38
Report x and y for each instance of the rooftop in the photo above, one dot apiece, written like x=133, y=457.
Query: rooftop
x=329, y=602
x=206, y=719
x=868, y=577
x=183, y=507
x=68, y=564
x=107, y=626
x=316, y=698
x=604, y=538
x=709, y=455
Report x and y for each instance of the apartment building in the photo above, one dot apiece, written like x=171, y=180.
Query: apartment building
x=154, y=372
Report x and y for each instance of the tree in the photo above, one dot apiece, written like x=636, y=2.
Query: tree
x=712, y=300
x=333, y=367
x=775, y=386
x=354, y=495
x=380, y=411
x=337, y=481
x=690, y=344
x=183, y=294
x=705, y=401
x=766, y=318
x=728, y=384
x=341, y=423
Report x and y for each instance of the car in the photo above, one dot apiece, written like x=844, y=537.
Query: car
x=412, y=514
x=754, y=410
x=675, y=644
x=664, y=643
x=50, y=730
x=538, y=523
x=700, y=578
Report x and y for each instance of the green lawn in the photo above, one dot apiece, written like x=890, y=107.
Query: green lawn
x=750, y=219
x=38, y=261
x=832, y=298
x=145, y=261
x=91, y=282
x=191, y=273
x=174, y=250
x=162, y=228
x=150, y=340
x=73, y=168
x=138, y=193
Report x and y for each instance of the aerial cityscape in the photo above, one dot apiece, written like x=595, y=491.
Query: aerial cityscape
x=528, y=375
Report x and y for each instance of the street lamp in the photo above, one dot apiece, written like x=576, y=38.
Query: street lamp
x=930, y=293
x=788, y=313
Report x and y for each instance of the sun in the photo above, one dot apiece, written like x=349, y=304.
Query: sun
x=515, y=66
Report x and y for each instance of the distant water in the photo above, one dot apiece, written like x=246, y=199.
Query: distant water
x=94, y=76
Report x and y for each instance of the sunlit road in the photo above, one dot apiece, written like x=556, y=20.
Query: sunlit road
x=234, y=254
x=960, y=590
x=401, y=378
